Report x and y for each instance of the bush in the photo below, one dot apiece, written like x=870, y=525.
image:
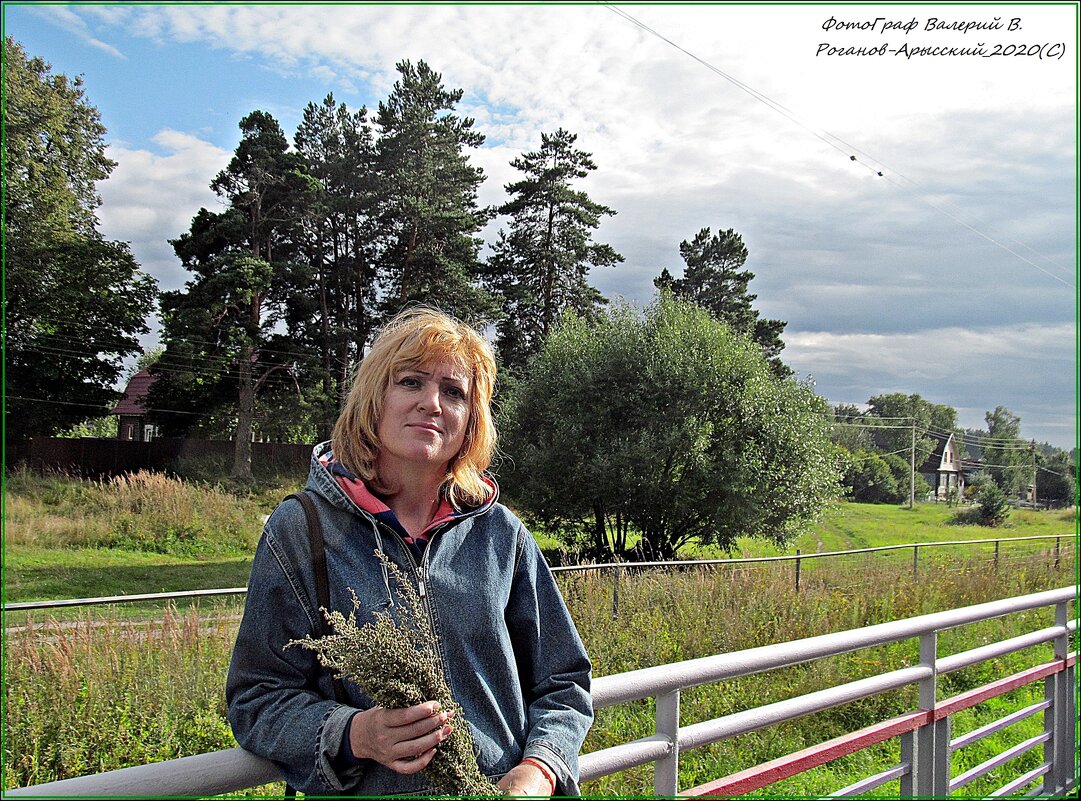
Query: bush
x=992, y=505
x=669, y=423
x=868, y=479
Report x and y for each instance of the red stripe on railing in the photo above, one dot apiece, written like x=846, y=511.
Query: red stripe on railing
x=792, y=764
x=996, y=688
x=784, y=767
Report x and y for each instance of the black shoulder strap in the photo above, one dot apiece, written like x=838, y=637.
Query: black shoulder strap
x=319, y=568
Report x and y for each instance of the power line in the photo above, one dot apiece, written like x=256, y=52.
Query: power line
x=874, y=427
x=879, y=455
x=831, y=140
x=107, y=409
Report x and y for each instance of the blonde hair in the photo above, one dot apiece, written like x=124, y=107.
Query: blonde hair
x=416, y=338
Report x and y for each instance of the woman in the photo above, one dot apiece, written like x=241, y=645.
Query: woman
x=404, y=474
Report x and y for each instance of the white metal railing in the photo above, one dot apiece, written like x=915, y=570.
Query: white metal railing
x=616, y=567
x=925, y=740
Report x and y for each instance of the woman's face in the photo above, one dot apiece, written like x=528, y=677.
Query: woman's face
x=425, y=415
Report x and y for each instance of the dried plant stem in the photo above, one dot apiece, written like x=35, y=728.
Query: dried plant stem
x=393, y=659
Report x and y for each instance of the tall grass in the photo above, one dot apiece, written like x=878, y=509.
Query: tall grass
x=99, y=692
x=665, y=618
x=144, y=511
x=100, y=695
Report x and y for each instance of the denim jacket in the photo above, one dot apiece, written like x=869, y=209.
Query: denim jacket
x=510, y=651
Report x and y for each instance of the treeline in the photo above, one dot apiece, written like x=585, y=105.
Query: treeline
x=325, y=238
x=319, y=240
x=881, y=442
x=322, y=241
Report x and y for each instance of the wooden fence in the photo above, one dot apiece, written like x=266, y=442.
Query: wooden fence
x=95, y=458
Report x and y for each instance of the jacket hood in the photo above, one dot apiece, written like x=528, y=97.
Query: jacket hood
x=325, y=484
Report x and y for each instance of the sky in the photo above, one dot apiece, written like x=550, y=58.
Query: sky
x=904, y=176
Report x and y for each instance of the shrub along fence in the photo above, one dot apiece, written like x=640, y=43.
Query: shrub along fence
x=96, y=458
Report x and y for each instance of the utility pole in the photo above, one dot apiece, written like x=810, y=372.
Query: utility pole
x=1034, y=474
x=912, y=475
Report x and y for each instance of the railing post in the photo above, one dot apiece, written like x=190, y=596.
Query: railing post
x=915, y=563
x=927, y=759
x=997, y=544
x=1057, y=718
x=666, y=770
x=615, y=592
x=908, y=757
x=1069, y=719
x=797, y=568
x=943, y=735
x=1050, y=727
x=1058, y=548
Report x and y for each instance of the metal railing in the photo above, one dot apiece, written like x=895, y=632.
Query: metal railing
x=616, y=567
x=925, y=733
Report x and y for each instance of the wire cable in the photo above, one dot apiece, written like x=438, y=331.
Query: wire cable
x=832, y=140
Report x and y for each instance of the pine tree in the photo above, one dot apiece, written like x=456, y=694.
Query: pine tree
x=429, y=216
x=539, y=268
x=714, y=279
x=221, y=329
x=338, y=242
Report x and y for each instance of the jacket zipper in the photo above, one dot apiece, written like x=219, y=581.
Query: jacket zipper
x=420, y=571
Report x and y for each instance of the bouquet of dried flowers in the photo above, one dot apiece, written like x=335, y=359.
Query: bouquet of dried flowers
x=393, y=659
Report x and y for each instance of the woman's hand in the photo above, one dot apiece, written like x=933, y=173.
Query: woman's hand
x=403, y=740
x=526, y=780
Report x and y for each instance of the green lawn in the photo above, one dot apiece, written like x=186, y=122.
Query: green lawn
x=42, y=574
x=69, y=569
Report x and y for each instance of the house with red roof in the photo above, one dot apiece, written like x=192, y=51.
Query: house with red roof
x=133, y=425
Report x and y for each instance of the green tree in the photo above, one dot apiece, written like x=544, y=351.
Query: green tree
x=901, y=469
x=869, y=479
x=539, y=268
x=1056, y=481
x=1006, y=457
x=339, y=243
x=993, y=508
x=896, y=414
x=848, y=429
x=96, y=427
x=74, y=303
x=669, y=423
x=714, y=279
x=429, y=217
x=222, y=329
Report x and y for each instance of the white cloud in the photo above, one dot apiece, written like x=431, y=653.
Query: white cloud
x=67, y=19
x=931, y=353
x=151, y=198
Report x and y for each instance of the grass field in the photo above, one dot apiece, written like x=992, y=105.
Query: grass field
x=75, y=539
x=100, y=692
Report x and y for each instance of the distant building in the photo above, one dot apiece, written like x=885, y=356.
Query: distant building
x=944, y=469
x=131, y=410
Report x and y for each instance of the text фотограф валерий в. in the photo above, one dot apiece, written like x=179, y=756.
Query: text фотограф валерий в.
x=935, y=25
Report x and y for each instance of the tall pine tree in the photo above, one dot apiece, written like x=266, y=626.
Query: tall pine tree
x=540, y=266
x=429, y=216
x=714, y=279
x=338, y=242
x=222, y=330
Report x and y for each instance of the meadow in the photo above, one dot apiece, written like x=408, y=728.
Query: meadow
x=100, y=689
